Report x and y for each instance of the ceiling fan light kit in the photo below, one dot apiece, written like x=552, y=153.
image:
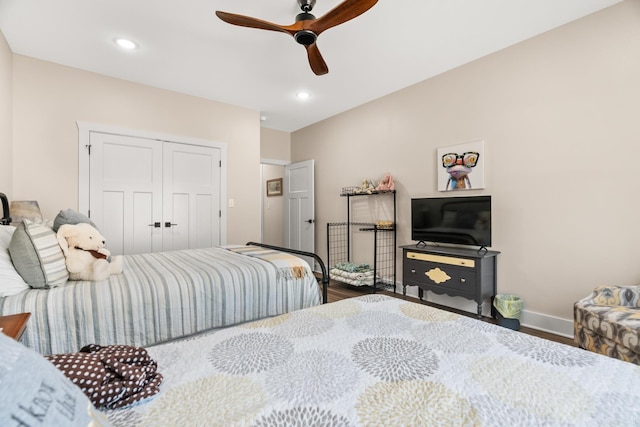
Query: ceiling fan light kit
x=307, y=27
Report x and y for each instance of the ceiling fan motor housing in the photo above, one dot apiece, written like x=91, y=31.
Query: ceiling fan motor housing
x=305, y=37
x=306, y=5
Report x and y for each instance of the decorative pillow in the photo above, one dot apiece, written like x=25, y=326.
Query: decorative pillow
x=36, y=255
x=70, y=217
x=11, y=282
x=34, y=392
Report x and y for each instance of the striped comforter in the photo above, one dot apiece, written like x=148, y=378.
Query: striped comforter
x=158, y=297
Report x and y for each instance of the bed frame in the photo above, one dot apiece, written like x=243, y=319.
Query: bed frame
x=6, y=218
x=325, y=277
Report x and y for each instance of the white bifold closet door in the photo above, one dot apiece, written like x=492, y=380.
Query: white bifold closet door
x=150, y=196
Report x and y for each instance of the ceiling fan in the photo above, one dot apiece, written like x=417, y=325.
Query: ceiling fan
x=307, y=27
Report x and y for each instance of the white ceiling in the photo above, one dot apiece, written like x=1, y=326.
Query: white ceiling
x=185, y=48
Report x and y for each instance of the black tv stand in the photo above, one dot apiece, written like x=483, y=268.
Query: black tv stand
x=466, y=272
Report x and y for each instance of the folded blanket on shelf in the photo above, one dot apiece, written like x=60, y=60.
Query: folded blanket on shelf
x=353, y=276
x=356, y=279
x=353, y=267
x=111, y=376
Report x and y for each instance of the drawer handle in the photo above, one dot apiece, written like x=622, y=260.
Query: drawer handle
x=463, y=280
x=413, y=272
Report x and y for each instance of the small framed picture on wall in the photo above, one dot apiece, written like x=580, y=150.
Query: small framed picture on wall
x=274, y=187
x=461, y=167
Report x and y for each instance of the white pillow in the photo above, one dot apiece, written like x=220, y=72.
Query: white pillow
x=6, y=231
x=11, y=282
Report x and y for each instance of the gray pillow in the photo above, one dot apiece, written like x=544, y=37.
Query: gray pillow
x=70, y=217
x=34, y=392
x=37, y=256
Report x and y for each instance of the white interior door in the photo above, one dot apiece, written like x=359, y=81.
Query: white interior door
x=191, y=196
x=125, y=192
x=299, y=211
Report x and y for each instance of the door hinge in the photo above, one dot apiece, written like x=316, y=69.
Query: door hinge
x=89, y=213
x=88, y=147
x=220, y=214
x=220, y=162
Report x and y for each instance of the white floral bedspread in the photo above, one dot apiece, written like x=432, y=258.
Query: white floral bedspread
x=381, y=361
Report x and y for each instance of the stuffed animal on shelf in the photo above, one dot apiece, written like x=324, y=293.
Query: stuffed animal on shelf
x=85, y=255
x=386, y=183
x=366, y=187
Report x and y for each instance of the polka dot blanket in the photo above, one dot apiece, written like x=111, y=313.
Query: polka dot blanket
x=111, y=376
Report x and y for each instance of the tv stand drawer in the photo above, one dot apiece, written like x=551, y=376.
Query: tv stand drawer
x=437, y=276
x=440, y=259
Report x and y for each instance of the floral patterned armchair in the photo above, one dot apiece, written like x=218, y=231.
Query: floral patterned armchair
x=608, y=322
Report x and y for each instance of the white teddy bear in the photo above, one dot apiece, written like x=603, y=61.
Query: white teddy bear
x=86, y=256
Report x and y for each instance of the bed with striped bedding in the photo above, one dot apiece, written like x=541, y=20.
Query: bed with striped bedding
x=162, y=296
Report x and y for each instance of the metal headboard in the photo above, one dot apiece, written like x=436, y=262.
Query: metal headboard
x=6, y=217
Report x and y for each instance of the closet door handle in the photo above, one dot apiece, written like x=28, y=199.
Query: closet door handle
x=169, y=224
x=155, y=225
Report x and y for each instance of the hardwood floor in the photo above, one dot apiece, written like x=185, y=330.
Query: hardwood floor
x=339, y=291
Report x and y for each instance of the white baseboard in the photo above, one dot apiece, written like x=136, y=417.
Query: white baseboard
x=530, y=319
x=544, y=322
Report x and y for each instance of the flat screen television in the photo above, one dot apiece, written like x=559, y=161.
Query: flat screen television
x=455, y=220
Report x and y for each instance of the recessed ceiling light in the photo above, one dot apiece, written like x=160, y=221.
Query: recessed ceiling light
x=125, y=43
x=263, y=118
x=303, y=95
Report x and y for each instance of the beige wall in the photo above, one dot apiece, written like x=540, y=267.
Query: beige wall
x=6, y=114
x=275, y=144
x=559, y=117
x=275, y=147
x=272, y=208
x=49, y=99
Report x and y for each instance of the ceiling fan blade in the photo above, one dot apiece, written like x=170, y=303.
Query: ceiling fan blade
x=247, y=21
x=343, y=12
x=316, y=60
